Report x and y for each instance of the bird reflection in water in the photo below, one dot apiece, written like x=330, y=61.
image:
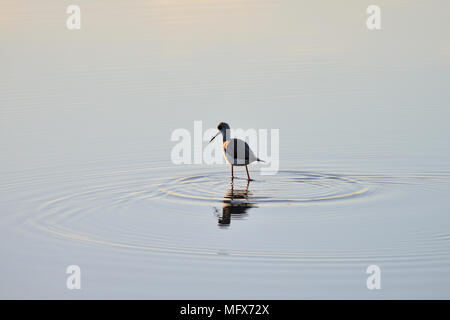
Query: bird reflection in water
x=235, y=205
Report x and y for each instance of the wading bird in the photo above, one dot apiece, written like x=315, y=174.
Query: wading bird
x=235, y=151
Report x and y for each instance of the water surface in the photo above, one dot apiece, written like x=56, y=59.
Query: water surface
x=86, y=118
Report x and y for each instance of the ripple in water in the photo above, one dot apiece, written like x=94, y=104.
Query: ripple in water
x=106, y=210
x=151, y=211
x=287, y=187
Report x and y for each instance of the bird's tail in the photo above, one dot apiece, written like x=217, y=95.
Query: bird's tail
x=258, y=159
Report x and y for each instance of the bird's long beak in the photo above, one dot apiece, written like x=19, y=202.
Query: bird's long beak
x=214, y=137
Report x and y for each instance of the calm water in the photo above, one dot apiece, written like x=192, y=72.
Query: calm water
x=86, y=177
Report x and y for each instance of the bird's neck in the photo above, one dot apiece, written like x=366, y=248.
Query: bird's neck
x=226, y=135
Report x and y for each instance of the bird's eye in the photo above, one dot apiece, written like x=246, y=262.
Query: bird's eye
x=220, y=128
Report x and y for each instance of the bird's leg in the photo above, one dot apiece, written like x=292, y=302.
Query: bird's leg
x=232, y=172
x=248, y=176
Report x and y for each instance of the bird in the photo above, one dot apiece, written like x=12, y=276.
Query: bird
x=235, y=151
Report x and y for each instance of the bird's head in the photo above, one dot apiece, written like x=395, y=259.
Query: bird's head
x=223, y=128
